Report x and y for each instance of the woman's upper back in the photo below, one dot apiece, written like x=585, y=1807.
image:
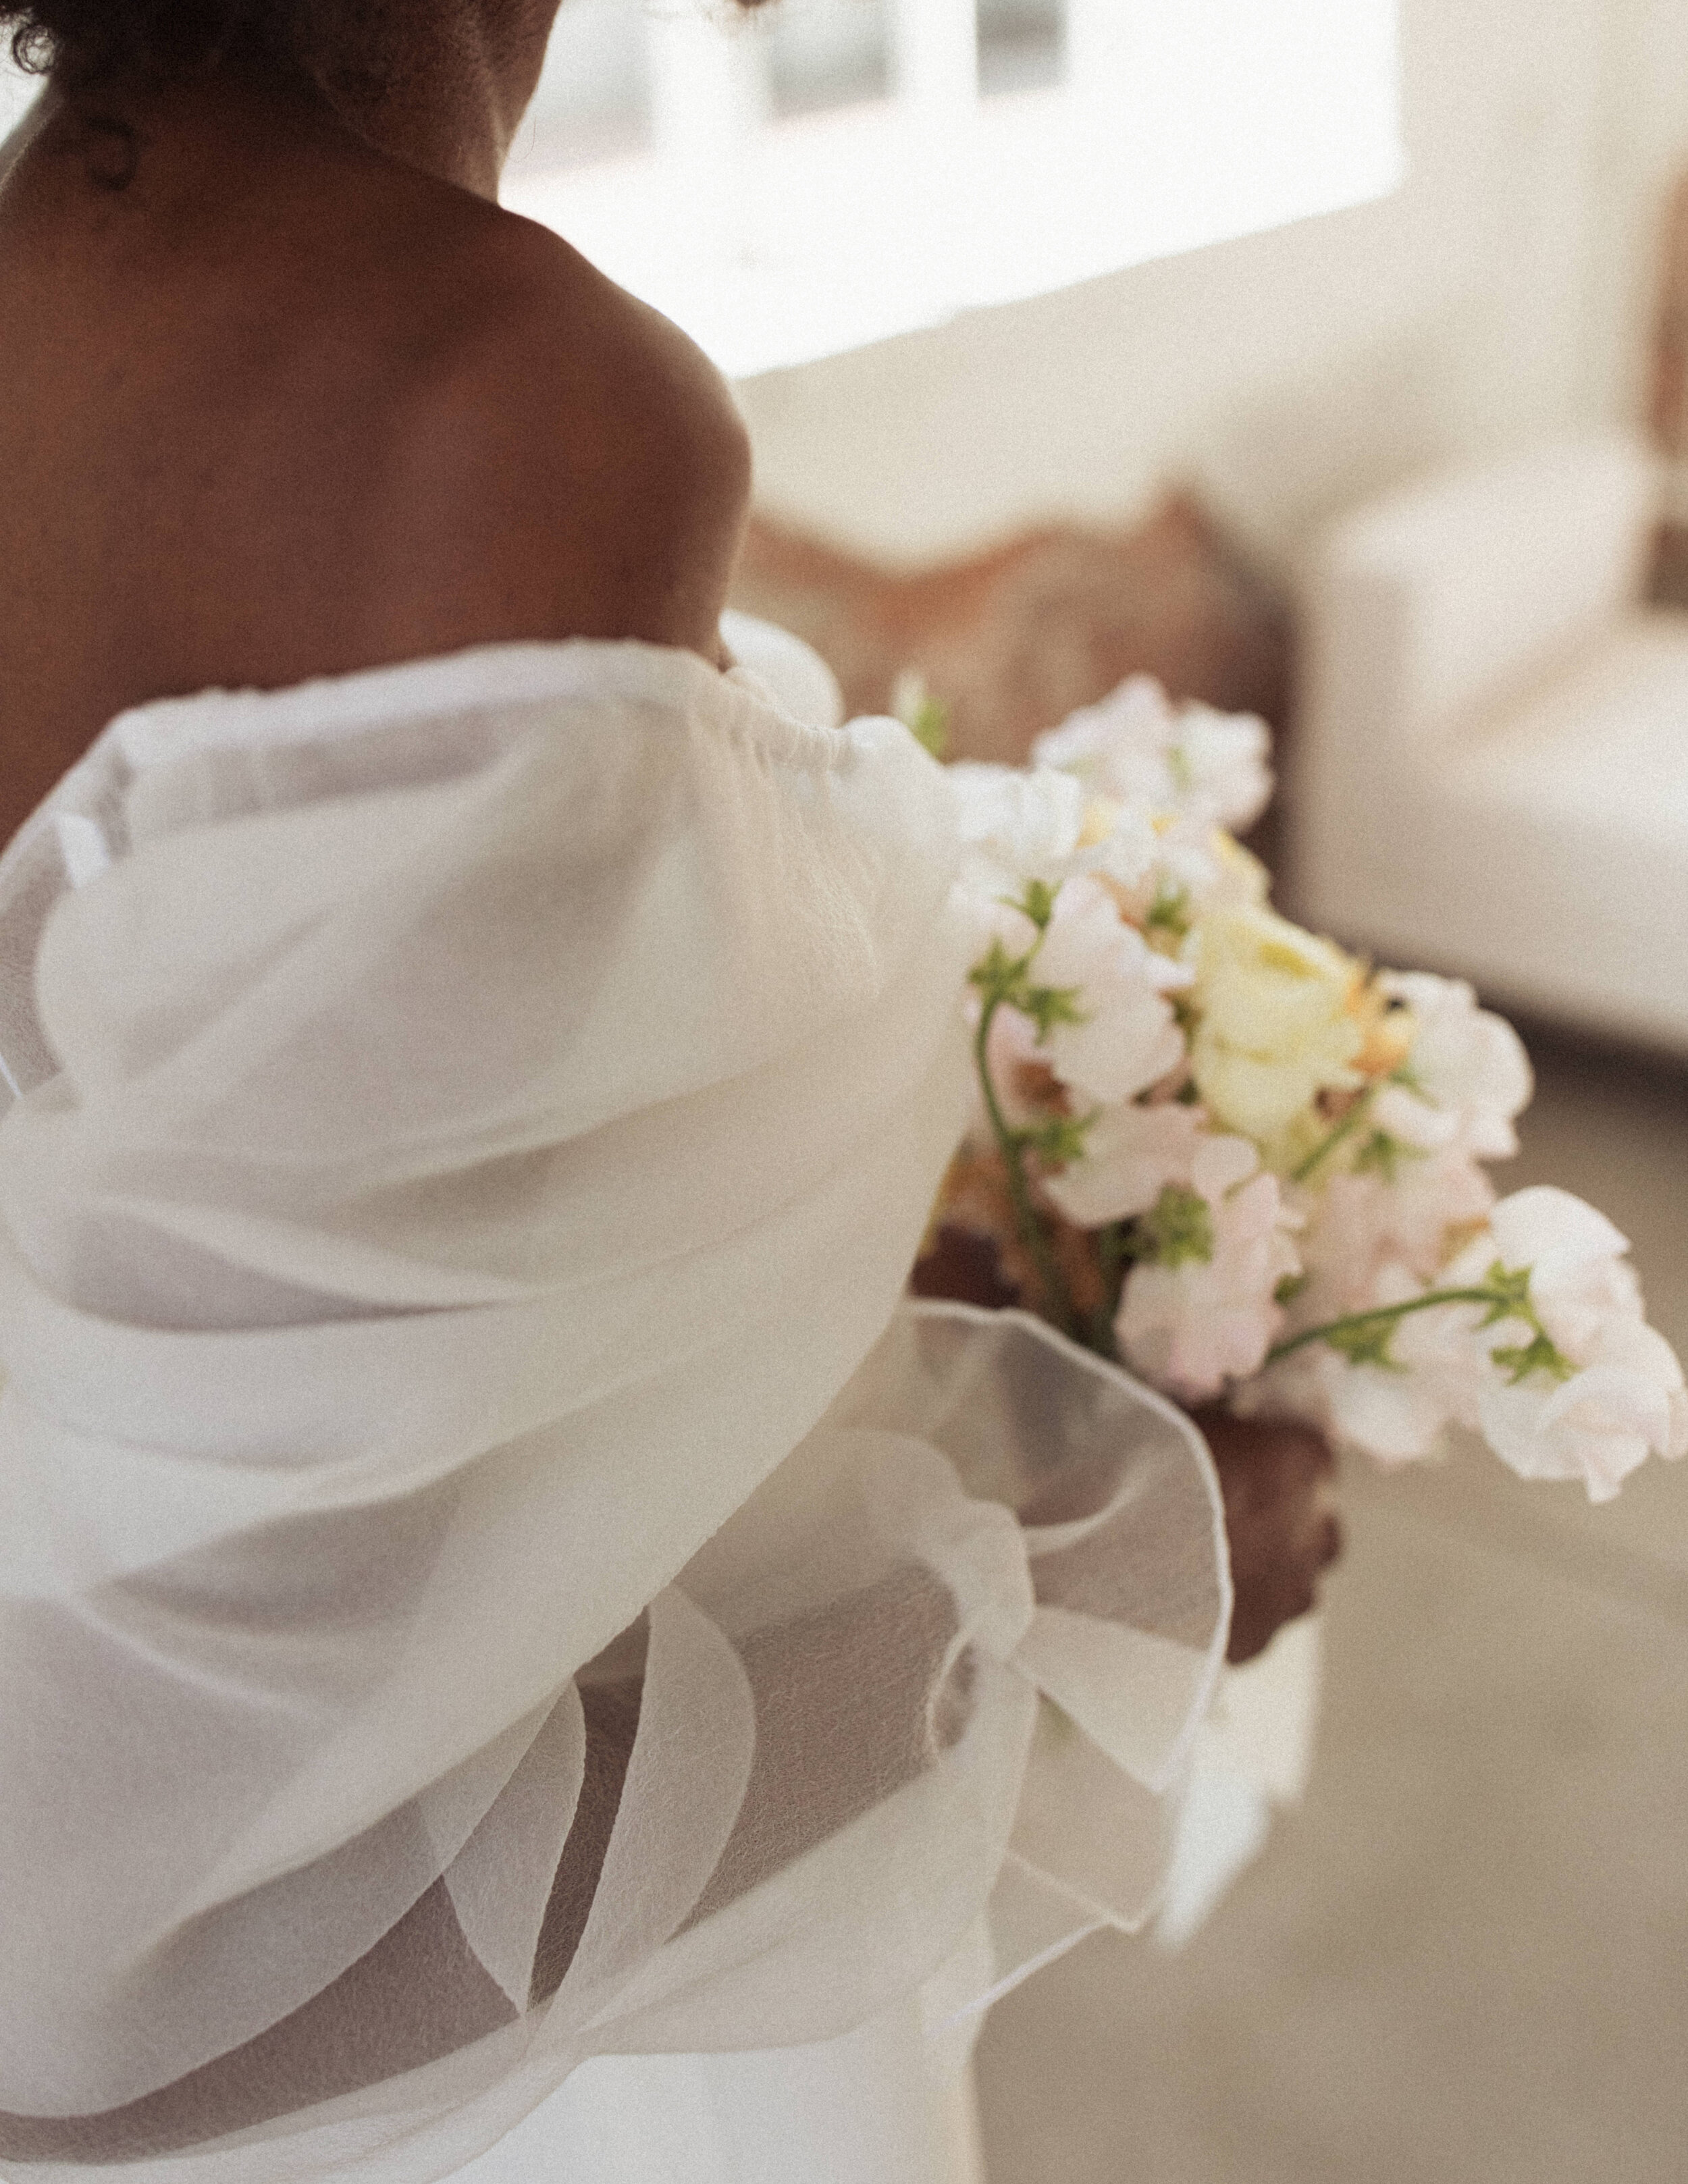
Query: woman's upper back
x=279, y=404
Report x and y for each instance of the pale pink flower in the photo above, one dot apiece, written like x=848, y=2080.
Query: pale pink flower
x=1131, y=1154
x=1361, y=1223
x=1128, y=1039
x=1208, y=1314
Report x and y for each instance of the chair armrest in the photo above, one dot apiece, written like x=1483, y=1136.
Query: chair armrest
x=1426, y=608
x=1429, y=604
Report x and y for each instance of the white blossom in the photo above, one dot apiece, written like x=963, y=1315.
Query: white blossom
x=1131, y=1154
x=1580, y=1277
x=1205, y=1311
x=1190, y=759
x=1392, y=1418
x=1238, y=879
x=1625, y=1403
x=1399, y=1415
x=1468, y=1069
x=1017, y=825
x=1128, y=1039
x=1363, y=1222
x=1615, y=1392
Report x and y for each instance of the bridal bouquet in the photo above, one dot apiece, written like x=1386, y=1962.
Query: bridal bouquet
x=1217, y=1148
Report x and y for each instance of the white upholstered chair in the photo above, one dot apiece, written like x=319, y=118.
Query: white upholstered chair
x=1490, y=771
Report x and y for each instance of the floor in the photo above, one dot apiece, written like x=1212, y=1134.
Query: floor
x=1464, y=1960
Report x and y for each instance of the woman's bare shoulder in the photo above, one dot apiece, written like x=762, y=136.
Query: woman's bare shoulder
x=562, y=455
x=264, y=419
x=325, y=416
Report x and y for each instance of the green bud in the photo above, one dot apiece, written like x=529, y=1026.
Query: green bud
x=1176, y=1231
x=1037, y=903
x=1060, y=1141
x=929, y=725
x=1050, y=1005
x=1382, y=1155
x=1170, y=912
x=1510, y=1288
x=1538, y=1355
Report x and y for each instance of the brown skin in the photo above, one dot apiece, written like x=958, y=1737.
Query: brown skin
x=1280, y=1484
x=301, y=399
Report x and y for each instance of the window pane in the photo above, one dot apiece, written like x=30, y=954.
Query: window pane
x=1020, y=44
x=593, y=100
x=828, y=52
x=17, y=89
x=1170, y=124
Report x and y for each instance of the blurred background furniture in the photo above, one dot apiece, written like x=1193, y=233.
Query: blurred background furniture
x=1013, y=638
x=1491, y=773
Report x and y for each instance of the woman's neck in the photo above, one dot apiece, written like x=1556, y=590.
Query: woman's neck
x=448, y=94
x=443, y=90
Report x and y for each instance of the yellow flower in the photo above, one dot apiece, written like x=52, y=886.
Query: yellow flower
x=1276, y=1019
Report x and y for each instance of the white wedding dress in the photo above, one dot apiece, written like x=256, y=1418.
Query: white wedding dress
x=469, y=1127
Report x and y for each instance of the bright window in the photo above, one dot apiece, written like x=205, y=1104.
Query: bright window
x=824, y=173
x=16, y=90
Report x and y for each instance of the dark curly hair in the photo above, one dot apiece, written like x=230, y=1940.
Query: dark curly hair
x=90, y=39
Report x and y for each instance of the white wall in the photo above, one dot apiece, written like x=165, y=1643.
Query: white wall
x=1500, y=297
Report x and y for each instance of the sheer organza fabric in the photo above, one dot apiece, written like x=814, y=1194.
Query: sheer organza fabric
x=472, y=1122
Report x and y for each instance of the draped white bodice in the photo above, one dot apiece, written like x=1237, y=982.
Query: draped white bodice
x=469, y=1125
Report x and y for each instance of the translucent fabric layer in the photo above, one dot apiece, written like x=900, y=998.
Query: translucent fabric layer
x=485, y=1578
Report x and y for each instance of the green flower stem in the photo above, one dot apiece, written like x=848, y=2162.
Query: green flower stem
x=1387, y=1314
x=1326, y=1145
x=1111, y=1251
x=1033, y=1233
